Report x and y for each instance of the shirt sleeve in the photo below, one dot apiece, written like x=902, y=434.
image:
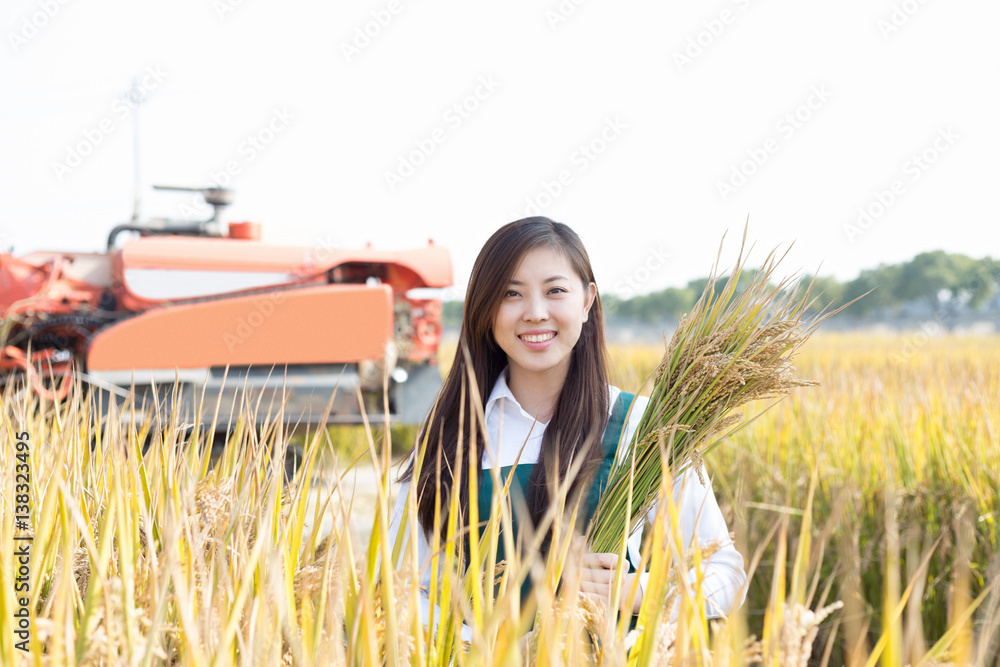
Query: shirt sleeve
x=423, y=556
x=701, y=520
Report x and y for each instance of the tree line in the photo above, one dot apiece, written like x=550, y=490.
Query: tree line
x=940, y=280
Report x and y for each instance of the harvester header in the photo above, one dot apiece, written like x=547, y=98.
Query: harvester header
x=183, y=301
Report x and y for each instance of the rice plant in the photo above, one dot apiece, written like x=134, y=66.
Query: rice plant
x=867, y=514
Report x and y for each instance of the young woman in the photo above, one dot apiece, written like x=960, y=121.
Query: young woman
x=534, y=331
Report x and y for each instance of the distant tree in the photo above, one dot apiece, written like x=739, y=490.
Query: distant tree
x=827, y=292
x=670, y=303
x=937, y=278
x=980, y=283
x=697, y=286
x=611, y=305
x=932, y=277
x=675, y=301
x=883, y=280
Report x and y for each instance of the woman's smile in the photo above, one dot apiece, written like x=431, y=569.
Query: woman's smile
x=537, y=340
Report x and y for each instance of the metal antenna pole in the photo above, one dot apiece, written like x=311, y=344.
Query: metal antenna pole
x=134, y=97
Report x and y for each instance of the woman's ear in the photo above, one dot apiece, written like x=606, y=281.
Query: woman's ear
x=590, y=298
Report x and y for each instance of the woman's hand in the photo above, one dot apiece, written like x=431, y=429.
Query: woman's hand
x=597, y=577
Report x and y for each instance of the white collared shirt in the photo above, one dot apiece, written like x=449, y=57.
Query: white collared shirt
x=511, y=428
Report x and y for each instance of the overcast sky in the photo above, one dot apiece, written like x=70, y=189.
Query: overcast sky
x=649, y=127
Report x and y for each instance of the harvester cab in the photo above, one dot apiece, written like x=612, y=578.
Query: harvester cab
x=225, y=314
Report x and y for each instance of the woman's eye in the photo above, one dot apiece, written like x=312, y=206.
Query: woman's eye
x=510, y=292
x=557, y=290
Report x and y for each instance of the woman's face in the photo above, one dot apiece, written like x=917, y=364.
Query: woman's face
x=542, y=312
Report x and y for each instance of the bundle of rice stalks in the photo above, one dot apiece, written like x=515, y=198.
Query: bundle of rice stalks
x=732, y=348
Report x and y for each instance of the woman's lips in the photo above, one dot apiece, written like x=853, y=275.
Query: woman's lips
x=537, y=340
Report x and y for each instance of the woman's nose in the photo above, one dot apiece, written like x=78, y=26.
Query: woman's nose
x=535, y=309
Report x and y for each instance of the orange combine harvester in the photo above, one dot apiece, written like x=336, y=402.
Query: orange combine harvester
x=224, y=314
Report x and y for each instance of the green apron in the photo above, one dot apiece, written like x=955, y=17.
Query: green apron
x=609, y=446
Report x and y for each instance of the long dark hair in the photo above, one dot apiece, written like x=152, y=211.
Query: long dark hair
x=581, y=412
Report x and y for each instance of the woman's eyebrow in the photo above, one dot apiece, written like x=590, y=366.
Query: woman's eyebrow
x=547, y=280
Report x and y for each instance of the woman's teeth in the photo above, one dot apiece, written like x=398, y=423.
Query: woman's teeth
x=538, y=338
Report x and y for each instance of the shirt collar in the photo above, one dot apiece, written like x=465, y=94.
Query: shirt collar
x=509, y=404
x=502, y=390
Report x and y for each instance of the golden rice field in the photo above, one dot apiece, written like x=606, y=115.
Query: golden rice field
x=904, y=434
x=866, y=510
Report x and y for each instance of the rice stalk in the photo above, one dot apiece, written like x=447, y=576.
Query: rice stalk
x=147, y=552
x=731, y=349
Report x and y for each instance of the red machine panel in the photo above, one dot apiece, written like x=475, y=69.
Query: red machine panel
x=323, y=324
